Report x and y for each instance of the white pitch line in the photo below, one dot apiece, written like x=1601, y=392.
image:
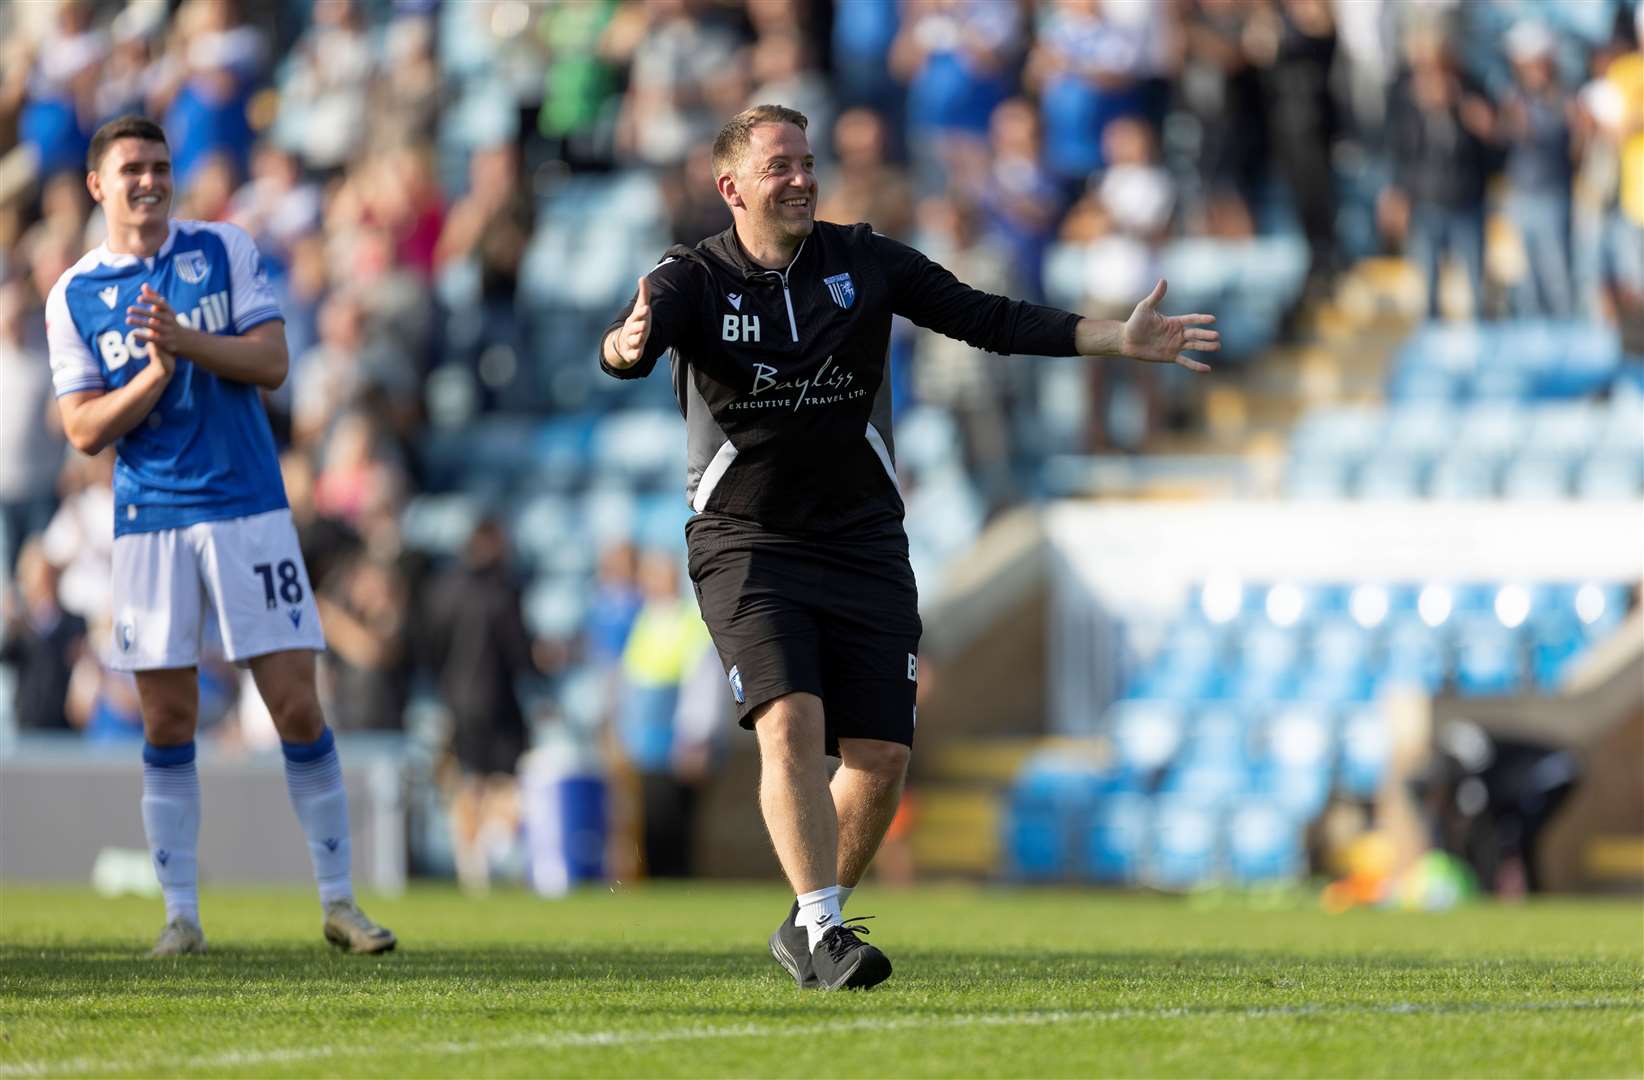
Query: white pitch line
x=602, y=1039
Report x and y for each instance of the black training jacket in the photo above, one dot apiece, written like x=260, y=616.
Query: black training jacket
x=782, y=375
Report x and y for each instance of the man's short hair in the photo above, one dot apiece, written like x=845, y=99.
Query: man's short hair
x=124, y=127
x=732, y=143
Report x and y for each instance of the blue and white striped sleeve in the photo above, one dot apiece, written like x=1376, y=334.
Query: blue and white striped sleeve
x=73, y=368
x=251, y=301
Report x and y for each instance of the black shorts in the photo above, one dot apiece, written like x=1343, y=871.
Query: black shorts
x=838, y=619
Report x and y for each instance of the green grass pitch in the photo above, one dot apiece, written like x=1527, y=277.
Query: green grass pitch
x=677, y=982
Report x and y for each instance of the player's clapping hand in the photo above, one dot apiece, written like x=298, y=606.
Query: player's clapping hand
x=157, y=324
x=631, y=338
x=1165, y=339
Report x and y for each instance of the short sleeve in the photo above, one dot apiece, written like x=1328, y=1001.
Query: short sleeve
x=73, y=367
x=251, y=299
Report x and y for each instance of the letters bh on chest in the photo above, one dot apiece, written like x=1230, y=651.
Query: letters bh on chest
x=741, y=328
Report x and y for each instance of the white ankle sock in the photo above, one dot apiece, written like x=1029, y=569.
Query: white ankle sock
x=845, y=895
x=313, y=776
x=818, y=912
x=171, y=821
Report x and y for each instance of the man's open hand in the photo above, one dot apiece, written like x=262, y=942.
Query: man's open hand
x=1165, y=339
x=629, y=342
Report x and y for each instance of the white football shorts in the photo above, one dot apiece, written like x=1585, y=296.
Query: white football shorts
x=242, y=579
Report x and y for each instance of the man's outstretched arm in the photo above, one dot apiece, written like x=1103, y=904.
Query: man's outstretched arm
x=1148, y=335
x=932, y=297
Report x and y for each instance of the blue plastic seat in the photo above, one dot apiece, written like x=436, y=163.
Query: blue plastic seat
x=1463, y=475
x=1611, y=475
x=1264, y=843
x=1488, y=658
x=1537, y=476
x=1115, y=846
x=1185, y=834
x=1146, y=734
x=1391, y=477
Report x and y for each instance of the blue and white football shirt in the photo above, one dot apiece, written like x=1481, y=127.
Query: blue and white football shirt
x=206, y=452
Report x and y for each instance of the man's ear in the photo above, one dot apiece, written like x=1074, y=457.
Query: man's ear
x=728, y=192
x=94, y=184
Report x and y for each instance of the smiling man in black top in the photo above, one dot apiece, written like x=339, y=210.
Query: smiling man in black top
x=780, y=330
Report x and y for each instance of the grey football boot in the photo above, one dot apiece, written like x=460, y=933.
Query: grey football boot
x=347, y=927
x=181, y=937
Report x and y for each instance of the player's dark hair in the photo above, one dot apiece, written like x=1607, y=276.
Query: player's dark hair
x=123, y=127
x=732, y=142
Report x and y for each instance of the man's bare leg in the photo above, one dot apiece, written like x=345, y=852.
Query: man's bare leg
x=793, y=791
x=866, y=792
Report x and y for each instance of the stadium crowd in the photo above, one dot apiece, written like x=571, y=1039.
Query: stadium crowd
x=445, y=196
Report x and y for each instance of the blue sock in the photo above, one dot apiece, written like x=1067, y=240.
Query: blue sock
x=313, y=776
x=171, y=821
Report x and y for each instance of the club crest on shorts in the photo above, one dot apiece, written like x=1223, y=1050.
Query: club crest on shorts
x=126, y=634
x=192, y=266
x=841, y=288
x=736, y=685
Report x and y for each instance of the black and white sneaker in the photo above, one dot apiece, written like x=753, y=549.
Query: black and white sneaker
x=843, y=961
x=791, y=947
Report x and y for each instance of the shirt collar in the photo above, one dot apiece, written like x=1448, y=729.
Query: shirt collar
x=729, y=247
x=110, y=258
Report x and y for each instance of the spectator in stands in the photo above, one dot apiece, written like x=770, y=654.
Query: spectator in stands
x=869, y=186
x=1019, y=199
x=956, y=58
x=479, y=648
x=1615, y=102
x=1123, y=224
x=1222, y=89
x=1295, y=46
x=783, y=70
x=667, y=644
x=405, y=101
x=204, y=91
x=277, y=206
x=324, y=96
x=41, y=640
x=695, y=210
x=1439, y=131
x=79, y=540
x=1537, y=122
x=862, y=37
x=31, y=439
x=328, y=543
x=580, y=84
x=102, y=702
x=978, y=389
x=365, y=607
x=1086, y=67
x=1125, y=218
x=673, y=61
x=130, y=75
x=59, y=111
x=210, y=192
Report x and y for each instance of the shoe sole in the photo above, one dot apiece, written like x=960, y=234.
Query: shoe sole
x=870, y=970
x=786, y=959
x=349, y=947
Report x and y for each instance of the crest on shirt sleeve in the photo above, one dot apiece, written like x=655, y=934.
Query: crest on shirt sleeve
x=842, y=289
x=192, y=266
